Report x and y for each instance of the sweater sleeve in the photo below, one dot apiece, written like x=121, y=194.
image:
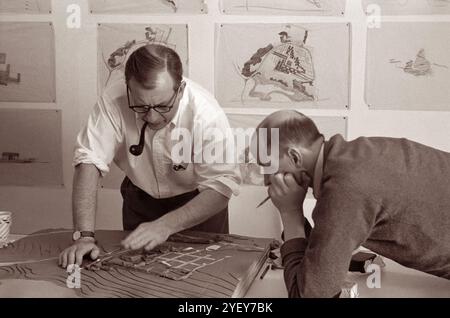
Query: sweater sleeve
x=317, y=266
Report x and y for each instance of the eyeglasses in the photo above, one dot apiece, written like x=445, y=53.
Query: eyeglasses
x=161, y=109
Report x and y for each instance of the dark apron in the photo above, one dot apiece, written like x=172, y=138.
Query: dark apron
x=139, y=207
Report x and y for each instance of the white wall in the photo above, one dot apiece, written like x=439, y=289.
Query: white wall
x=76, y=60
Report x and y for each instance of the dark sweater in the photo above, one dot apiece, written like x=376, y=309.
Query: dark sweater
x=389, y=195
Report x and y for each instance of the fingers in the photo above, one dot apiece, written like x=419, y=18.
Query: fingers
x=290, y=181
x=278, y=184
x=79, y=256
x=150, y=246
x=63, y=259
x=95, y=253
x=135, y=242
x=131, y=241
x=70, y=257
x=75, y=253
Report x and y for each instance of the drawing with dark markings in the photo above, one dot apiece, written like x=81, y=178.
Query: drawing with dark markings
x=288, y=67
x=5, y=72
x=172, y=4
x=117, y=59
x=419, y=67
x=220, y=266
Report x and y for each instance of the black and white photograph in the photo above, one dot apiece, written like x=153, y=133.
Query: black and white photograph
x=214, y=150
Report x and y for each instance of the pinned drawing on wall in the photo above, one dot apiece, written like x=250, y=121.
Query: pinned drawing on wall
x=420, y=66
x=407, y=7
x=117, y=41
x=250, y=171
x=283, y=7
x=27, y=62
x=30, y=147
x=414, y=73
x=148, y=6
x=26, y=6
x=283, y=65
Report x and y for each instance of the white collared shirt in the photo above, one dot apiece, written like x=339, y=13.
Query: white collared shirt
x=112, y=128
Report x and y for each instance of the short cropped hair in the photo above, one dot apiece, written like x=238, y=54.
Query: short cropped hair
x=147, y=62
x=295, y=129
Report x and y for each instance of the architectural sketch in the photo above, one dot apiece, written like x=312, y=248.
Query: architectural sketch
x=29, y=158
x=117, y=42
x=148, y=6
x=27, y=55
x=283, y=7
x=6, y=76
x=414, y=72
x=282, y=65
x=14, y=157
x=25, y=6
x=418, y=67
x=406, y=7
x=217, y=265
x=288, y=66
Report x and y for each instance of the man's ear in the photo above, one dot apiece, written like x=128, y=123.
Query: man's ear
x=296, y=157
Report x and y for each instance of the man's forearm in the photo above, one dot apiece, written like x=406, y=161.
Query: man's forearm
x=199, y=209
x=293, y=224
x=84, y=196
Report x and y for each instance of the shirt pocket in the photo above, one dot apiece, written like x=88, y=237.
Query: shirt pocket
x=181, y=174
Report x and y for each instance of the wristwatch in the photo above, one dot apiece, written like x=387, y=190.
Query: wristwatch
x=79, y=234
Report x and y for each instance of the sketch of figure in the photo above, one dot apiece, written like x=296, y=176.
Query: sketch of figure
x=420, y=66
x=5, y=72
x=117, y=58
x=172, y=4
x=14, y=157
x=315, y=2
x=287, y=67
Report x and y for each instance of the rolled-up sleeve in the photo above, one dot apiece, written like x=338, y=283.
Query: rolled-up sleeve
x=222, y=175
x=99, y=139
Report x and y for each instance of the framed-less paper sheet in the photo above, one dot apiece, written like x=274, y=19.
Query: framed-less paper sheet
x=408, y=66
x=283, y=7
x=30, y=147
x=251, y=175
x=116, y=42
x=148, y=6
x=26, y=6
x=406, y=7
x=283, y=66
x=27, y=62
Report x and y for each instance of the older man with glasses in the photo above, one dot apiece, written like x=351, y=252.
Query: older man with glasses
x=132, y=124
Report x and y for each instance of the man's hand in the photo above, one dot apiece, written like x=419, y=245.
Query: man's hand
x=74, y=254
x=286, y=194
x=147, y=235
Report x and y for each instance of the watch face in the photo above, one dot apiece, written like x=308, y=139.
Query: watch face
x=76, y=235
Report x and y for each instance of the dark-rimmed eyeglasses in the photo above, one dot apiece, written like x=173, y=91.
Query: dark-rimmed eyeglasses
x=161, y=108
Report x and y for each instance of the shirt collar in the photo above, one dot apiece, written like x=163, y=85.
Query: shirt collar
x=318, y=173
x=184, y=101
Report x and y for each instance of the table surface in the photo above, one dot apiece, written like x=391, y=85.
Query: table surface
x=396, y=281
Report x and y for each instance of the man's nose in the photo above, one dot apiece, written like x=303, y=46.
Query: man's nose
x=149, y=115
